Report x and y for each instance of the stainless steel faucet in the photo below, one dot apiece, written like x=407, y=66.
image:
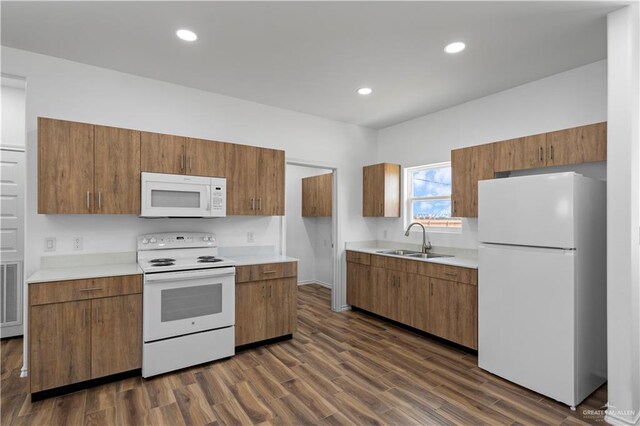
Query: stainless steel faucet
x=425, y=247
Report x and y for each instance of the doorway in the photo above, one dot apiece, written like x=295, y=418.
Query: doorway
x=310, y=225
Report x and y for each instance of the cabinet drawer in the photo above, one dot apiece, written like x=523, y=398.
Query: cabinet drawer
x=357, y=257
x=267, y=271
x=450, y=273
x=394, y=263
x=67, y=291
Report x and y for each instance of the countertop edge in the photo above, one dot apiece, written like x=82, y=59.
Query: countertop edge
x=460, y=262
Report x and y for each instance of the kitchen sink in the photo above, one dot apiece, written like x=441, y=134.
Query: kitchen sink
x=427, y=255
x=399, y=252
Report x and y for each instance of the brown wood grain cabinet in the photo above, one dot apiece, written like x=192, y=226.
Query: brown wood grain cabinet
x=89, y=334
x=468, y=166
x=381, y=190
x=528, y=152
x=162, y=153
x=582, y=144
x=317, y=195
x=206, y=158
x=439, y=299
x=255, y=180
x=84, y=169
x=265, y=301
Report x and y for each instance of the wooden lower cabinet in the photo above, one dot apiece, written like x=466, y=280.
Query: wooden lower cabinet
x=84, y=337
x=422, y=300
x=266, y=308
x=453, y=311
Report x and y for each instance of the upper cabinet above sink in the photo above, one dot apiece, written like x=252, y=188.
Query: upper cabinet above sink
x=381, y=190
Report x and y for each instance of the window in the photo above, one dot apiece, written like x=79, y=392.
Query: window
x=428, y=196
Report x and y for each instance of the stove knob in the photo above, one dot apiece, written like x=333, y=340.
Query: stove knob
x=206, y=238
x=153, y=240
x=145, y=241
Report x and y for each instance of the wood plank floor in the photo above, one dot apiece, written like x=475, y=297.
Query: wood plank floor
x=340, y=368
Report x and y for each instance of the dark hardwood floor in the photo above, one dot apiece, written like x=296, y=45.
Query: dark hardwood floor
x=340, y=368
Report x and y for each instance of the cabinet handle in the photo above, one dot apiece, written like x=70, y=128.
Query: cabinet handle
x=451, y=274
x=540, y=154
x=99, y=200
x=98, y=314
x=88, y=200
x=551, y=152
x=430, y=289
x=253, y=204
x=90, y=289
x=453, y=206
x=181, y=162
x=260, y=203
x=269, y=272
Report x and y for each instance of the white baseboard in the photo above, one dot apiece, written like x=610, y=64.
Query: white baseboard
x=320, y=283
x=618, y=421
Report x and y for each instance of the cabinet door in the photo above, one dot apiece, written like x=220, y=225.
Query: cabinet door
x=270, y=183
x=162, y=153
x=381, y=288
x=250, y=312
x=116, y=335
x=59, y=344
x=117, y=171
x=582, y=144
x=373, y=191
x=418, y=296
x=241, y=164
x=206, y=158
x=65, y=167
x=522, y=153
x=359, y=285
x=324, y=184
x=468, y=166
x=309, y=197
x=453, y=312
x=281, y=307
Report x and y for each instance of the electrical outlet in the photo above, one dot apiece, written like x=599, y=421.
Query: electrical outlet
x=50, y=244
x=77, y=243
x=250, y=237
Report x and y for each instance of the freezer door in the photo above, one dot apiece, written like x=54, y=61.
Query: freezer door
x=526, y=326
x=529, y=210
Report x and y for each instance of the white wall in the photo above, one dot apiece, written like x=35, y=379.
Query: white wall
x=73, y=91
x=12, y=103
x=568, y=99
x=623, y=222
x=308, y=238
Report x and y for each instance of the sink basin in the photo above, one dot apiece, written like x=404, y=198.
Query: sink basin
x=427, y=255
x=399, y=252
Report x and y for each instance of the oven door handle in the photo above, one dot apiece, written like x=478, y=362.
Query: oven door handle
x=189, y=275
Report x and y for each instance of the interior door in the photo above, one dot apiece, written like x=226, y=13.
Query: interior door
x=162, y=153
x=117, y=171
x=526, y=317
x=241, y=169
x=270, y=183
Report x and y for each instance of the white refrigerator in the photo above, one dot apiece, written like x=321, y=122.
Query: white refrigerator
x=542, y=283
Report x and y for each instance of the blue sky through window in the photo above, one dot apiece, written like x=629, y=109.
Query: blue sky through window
x=431, y=182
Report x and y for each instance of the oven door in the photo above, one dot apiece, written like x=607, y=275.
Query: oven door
x=165, y=195
x=184, y=302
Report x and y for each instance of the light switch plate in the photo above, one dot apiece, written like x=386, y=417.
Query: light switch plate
x=50, y=244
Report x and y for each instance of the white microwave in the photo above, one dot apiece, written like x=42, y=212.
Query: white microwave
x=165, y=195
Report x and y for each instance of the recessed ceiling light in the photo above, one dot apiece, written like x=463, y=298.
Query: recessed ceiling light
x=187, y=35
x=454, y=47
x=364, y=91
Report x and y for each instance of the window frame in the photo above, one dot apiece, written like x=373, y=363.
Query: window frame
x=408, y=199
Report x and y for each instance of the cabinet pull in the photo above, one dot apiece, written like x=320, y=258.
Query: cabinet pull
x=431, y=289
x=181, y=162
x=90, y=289
x=551, y=152
x=540, y=154
x=88, y=200
x=451, y=274
x=253, y=204
x=98, y=314
x=190, y=168
x=453, y=205
x=269, y=272
x=99, y=200
x=260, y=203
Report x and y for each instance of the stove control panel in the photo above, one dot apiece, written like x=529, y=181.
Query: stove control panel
x=176, y=240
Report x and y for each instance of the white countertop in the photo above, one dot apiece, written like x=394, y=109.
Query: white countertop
x=260, y=259
x=66, y=273
x=461, y=258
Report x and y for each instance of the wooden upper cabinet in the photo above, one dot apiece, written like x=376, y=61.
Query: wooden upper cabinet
x=582, y=144
x=241, y=168
x=270, y=182
x=65, y=167
x=381, y=190
x=117, y=171
x=529, y=152
x=317, y=195
x=162, y=153
x=468, y=166
x=205, y=158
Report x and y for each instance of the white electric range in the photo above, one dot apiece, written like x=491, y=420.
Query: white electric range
x=189, y=301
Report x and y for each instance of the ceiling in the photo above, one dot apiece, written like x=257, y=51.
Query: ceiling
x=313, y=56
